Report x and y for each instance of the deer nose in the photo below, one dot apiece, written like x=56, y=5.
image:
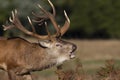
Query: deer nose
x=74, y=47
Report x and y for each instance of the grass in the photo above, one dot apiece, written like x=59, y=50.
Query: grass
x=92, y=54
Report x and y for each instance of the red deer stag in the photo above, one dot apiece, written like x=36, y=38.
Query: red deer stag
x=19, y=57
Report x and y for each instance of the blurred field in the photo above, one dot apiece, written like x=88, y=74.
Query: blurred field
x=92, y=54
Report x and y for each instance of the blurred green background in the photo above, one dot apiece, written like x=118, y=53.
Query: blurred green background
x=90, y=19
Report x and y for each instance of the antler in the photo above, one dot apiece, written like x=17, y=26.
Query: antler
x=66, y=26
x=47, y=15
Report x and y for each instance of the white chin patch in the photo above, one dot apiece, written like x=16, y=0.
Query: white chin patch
x=60, y=60
x=72, y=56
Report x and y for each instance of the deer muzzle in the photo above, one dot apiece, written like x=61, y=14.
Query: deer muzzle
x=72, y=54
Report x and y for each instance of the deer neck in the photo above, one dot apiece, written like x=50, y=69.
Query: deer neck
x=46, y=61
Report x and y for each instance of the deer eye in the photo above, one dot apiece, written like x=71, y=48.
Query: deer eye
x=58, y=45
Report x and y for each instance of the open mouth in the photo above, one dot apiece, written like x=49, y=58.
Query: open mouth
x=72, y=55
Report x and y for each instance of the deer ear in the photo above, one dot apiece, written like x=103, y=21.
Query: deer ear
x=46, y=44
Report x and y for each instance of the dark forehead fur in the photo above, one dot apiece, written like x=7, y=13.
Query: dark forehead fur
x=63, y=41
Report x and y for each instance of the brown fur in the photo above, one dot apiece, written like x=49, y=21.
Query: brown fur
x=18, y=52
x=19, y=57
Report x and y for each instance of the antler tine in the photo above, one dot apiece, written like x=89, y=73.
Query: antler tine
x=39, y=19
x=66, y=16
x=53, y=8
x=7, y=27
x=49, y=35
x=66, y=25
x=31, y=24
x=10, y=19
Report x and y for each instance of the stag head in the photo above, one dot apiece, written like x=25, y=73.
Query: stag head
x=54, y=45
